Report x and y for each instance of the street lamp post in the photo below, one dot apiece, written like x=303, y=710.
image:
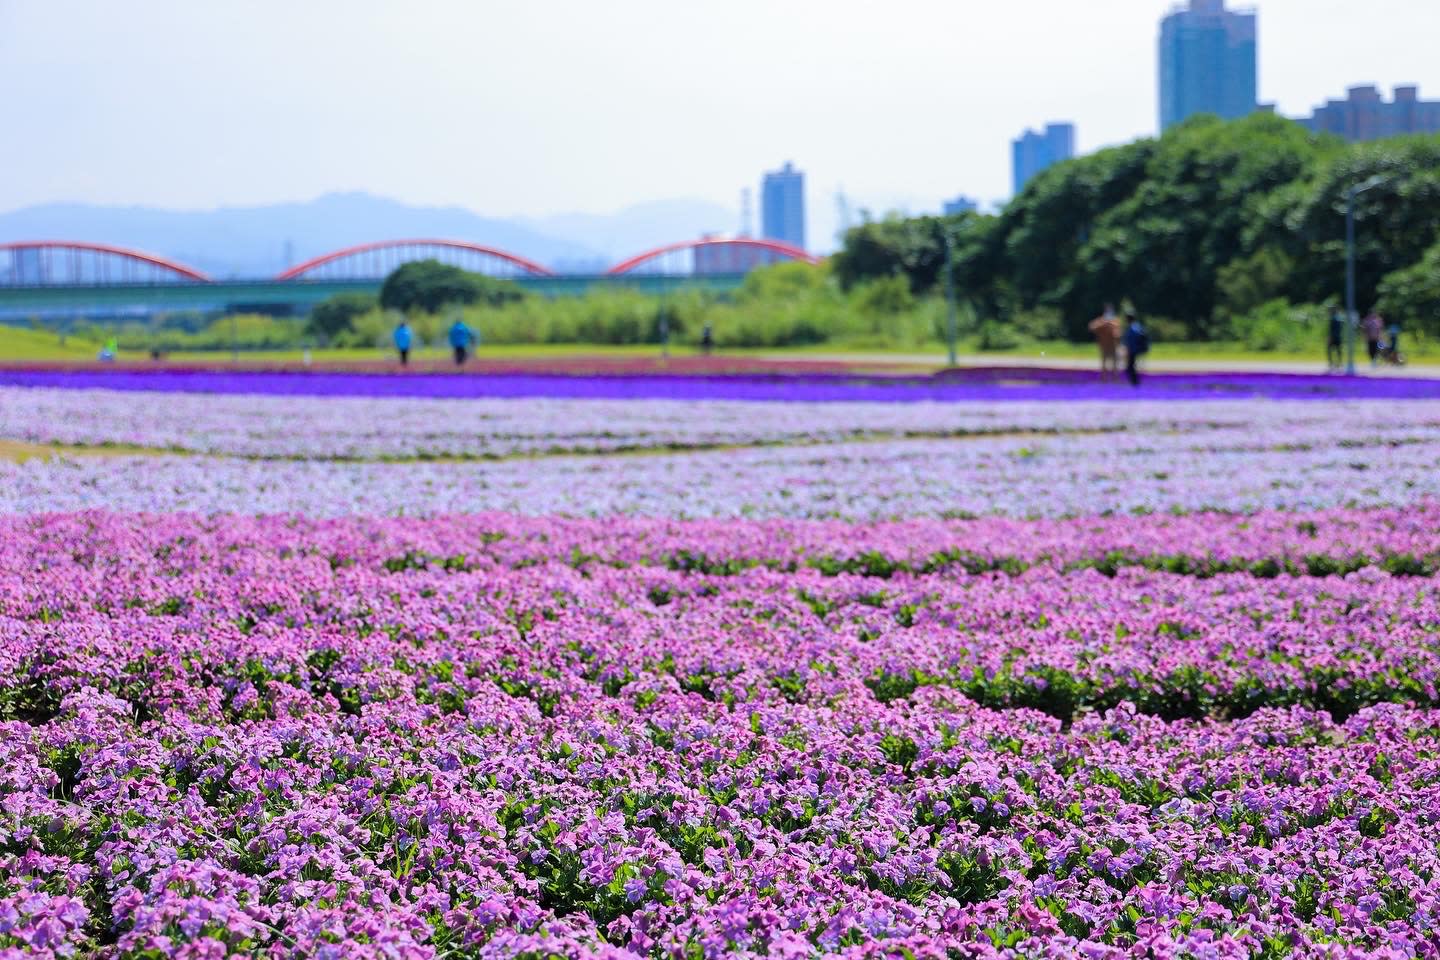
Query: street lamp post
x=951, y=321
x=1350, y=282
x=664, y=321
x=1352, y=315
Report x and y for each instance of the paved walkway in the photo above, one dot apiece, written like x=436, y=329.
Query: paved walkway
x=1208, y=365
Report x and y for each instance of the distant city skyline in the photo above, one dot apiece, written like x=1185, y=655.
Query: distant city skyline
x=1365, y=114
x=1037, y=150
x=571, y=108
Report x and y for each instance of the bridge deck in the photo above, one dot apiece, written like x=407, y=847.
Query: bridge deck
x=296, y=295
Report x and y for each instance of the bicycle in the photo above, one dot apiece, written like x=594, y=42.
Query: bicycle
x=1390, y=355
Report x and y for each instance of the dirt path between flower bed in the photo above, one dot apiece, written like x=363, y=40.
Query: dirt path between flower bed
x=19, y=451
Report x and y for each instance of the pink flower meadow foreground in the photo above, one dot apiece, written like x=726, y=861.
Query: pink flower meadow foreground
x=1200, y=736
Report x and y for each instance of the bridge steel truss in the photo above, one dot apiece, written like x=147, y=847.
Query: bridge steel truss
x=375, y=261
x=713, y=255
x=45, y=263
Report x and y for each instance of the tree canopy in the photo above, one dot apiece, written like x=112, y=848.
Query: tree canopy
x=1206, y=223
x=429, y=285
x=1411, y=297
x=334, y=317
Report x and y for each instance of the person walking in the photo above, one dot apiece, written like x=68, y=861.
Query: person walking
x=461, y=338
x=1106, y=330
x=1373, y=326
x=1137, y=344
x=1335, y=345
x=707, y=340
x=403, y=339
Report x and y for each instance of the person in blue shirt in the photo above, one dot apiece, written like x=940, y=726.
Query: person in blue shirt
x=1335, y=345
x=461, y=337
x=403, y=339
x=1137, y=343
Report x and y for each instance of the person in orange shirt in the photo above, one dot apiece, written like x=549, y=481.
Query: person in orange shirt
x=1106, y=329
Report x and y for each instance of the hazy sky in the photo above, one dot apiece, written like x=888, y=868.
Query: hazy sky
x=591, y=105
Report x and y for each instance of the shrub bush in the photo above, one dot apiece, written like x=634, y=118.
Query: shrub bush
x=1278, y=325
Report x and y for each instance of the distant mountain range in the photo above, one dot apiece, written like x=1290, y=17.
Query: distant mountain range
x=619, y=235
x=261, y=241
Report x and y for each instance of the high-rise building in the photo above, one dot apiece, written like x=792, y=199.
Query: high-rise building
x=1207, y=62
x=1364, y=115
x=961, y=204
x=1032, y=152
x=782, y=206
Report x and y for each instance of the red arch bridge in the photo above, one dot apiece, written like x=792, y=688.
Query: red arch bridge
x=72, y=278
x=61, y=262
x=374, y=261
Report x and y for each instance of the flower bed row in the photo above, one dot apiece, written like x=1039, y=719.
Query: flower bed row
x=242, y=737
x=996, y=476
x=98, y=547
x=1060, y=639
x=327, y=427
x=344, y=427
x=721, y=378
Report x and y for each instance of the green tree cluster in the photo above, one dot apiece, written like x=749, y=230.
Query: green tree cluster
x=429, y=285
x=1411, y=296
x=333, y=320
x=244, y=331
x=1202, y=228
x=421, y=287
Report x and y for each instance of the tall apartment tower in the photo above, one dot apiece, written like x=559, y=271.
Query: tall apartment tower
x=1207, y=62
x=1032, y=152
x=782, y=206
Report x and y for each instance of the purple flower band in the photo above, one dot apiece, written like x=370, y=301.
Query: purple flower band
x=977, y=385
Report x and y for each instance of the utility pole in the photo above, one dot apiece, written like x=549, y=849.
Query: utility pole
x=1352, y=315
x=1350, y=318
x=951, y=320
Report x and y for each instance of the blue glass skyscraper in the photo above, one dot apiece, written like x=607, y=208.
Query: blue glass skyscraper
x=782, y=206
x=1207, y=62
x=1032, y=152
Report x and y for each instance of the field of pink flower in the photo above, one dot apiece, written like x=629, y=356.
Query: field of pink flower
x=1204, y=736
x=348, y=456
x=710, y=677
